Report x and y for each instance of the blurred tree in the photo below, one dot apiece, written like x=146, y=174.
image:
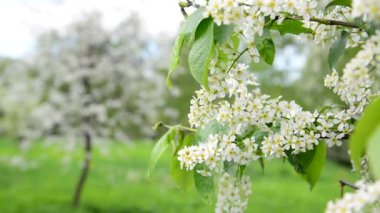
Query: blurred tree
x=87, y=81
x=16, y=101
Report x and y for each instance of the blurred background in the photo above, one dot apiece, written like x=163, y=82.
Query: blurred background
x=73, y=71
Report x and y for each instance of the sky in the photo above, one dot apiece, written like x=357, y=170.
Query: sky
x=22, y=20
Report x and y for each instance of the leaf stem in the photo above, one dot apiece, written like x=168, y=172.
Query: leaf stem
x=237, y=58
x=186, y=128
x=179, y=127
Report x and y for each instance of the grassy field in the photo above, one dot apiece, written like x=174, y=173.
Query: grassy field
x=118, y=183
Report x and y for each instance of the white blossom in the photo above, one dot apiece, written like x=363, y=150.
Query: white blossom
x=232, y=193
x=369, y=9
x=258, y=126
x=368, y=195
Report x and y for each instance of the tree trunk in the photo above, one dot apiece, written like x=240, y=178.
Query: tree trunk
x=85, y=169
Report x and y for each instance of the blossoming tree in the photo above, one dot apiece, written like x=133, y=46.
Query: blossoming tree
x=233, y=124
x=87, y=82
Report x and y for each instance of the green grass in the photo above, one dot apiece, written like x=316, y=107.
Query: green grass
x=118, y=183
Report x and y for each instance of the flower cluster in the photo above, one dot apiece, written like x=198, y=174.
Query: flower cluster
x=354, y=87
x=368, y=195
x=204, y=153
x=326, y=34
x=369, y=9
x=233, y=194
x=254, y=125
x=219, y=148
x=230, y=11
x=249, y=19
x=283, y=125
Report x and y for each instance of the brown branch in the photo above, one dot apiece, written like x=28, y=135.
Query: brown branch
x=85, y=169
x=186, y=4
x=183, y=11
x=345, y=183
x=328, y=22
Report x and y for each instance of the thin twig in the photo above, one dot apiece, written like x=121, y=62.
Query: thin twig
x=186, y=4
x=179, y=127
x=193, y=4
x=344, y=183
x=183, y=11
x=237, y=58
x=345, y=137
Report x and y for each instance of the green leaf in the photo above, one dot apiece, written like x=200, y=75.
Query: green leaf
x=366, y=125
x=259, y=137
x=181, y=177
x=234, y=45
x=346, y=3
x=291, y=26
x=176, y=139
x=234, y=169
x=373, y=153
x=241, y=170
x=235, y=41
x=230, y=168
x=315, y=167
x=176, y=52
x=337, y=49
x=204, y=185
x=262, y=165
x=192, y=21
x=186, y=35
x=212, y=128
x=267, y=50
x=310, y=164
x=201, y=53
x=159, y=149
x=222, y=33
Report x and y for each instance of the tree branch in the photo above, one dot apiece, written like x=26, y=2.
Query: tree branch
x=328, y=22
x=188, y=3
x=183, y=11
x=319, y=20
x=345, y=183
